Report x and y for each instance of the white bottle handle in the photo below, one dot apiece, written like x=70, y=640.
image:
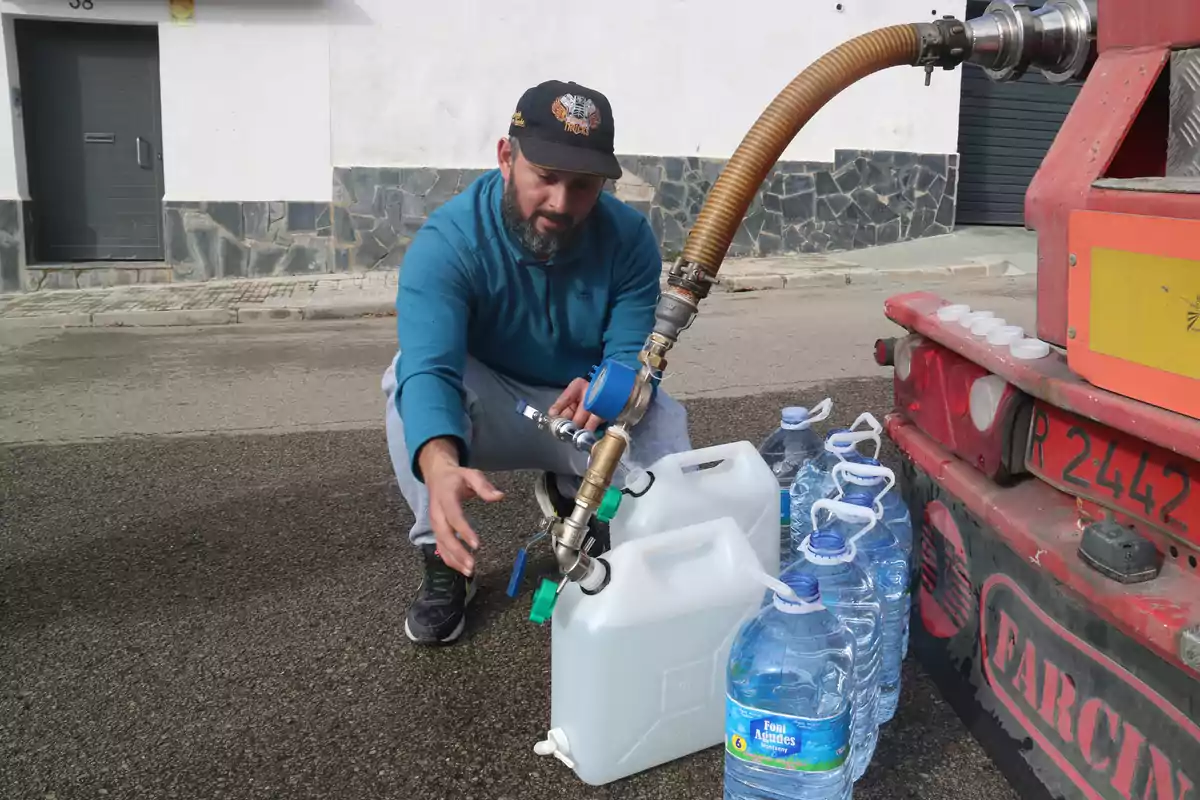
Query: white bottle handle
x=820, y=412
x=847, y=512
x=849, y=439
x=794, y=603
x=868, y=418
x=774, y=584
x=865, y=471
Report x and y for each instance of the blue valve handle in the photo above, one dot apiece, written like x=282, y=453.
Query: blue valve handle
x=518, y=570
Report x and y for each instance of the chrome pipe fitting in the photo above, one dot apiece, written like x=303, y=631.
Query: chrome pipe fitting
x=1058, y=39
x=560, y=428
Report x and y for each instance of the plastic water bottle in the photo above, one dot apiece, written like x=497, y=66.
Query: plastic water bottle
x=814, y=480
x=790, y=700
x=868, y=475
x=882, y=554
x=848, y=590
x=789, y=447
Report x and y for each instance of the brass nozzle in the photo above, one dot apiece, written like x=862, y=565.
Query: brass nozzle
x=605, y=458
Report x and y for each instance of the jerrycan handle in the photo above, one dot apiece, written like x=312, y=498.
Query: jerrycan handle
x=676, y=547
x=845, y=439
x=864, y=471
x=845, y=511
x=728, y=456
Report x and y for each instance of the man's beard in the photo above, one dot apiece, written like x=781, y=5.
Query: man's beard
x=543, y=245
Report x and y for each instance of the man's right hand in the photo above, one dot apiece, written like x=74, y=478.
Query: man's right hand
x=449, y=484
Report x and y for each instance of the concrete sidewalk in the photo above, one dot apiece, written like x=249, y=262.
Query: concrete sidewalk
x=969, y=252
x=339, y=296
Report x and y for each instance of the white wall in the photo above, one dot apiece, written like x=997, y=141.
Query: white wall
x=13, y=185
x=245, y=96
x=250, y=87
x=246, y=111
x=435, y=83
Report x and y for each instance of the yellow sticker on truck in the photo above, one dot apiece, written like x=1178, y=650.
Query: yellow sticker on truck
x=1146, y=309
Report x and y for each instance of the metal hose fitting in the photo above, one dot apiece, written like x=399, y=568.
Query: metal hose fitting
x=1058, y=39
x=561, y=428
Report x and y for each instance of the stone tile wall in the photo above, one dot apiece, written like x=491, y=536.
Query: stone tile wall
x=376, y=211
x=863, y=198
x=248, y=240
x=11, y=246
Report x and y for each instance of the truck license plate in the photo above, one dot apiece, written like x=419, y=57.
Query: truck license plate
x=1115, y=470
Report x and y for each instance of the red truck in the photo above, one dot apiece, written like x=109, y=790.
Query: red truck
x=1055, y=479
x=1057, y=497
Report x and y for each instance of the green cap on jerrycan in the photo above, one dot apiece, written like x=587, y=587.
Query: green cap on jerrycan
x=543, y=601
x=609, y=505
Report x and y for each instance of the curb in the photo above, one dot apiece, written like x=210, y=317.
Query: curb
x=257, y=314
x=766, y=281
x=71, y=320
x=170, y=318
x=385, y=307
x=351, y=309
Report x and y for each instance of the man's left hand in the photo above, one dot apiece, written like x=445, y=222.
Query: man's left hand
x=570, y=404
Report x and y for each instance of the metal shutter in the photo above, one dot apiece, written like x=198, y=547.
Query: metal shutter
x=1004, y=131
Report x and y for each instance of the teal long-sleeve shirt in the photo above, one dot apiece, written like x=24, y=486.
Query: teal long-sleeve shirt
x=468, y=287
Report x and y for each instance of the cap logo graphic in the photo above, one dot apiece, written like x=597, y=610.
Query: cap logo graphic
x=518, y=120
x=577, y=113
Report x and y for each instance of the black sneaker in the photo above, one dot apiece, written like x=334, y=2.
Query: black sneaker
x=438, y=614
x=597, y=530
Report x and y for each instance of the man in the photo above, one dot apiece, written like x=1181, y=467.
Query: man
x=514, y=290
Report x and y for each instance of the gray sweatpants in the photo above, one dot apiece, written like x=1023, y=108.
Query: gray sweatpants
x=502, y=440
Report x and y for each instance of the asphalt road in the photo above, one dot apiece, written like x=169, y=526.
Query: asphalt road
x=221, y=617
x=81, y=384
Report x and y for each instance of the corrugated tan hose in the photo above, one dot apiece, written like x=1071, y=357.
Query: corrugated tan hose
x=742, y=177
x=940, y=43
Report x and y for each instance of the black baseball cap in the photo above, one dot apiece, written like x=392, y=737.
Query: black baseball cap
x=564, y=126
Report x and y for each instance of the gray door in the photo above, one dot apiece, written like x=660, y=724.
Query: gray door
x=89, y=94
x=1004, y=131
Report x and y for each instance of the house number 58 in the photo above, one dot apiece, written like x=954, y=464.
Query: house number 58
x=86, y=5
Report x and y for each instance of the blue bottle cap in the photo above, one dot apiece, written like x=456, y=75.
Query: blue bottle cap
x=794, y=415
x=805, y=586
x=827, y=543
x=858, y=497
x=830, y=435
x=855, y=457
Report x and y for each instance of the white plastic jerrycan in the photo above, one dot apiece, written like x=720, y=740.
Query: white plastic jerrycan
x=727, y=480
x=638, y=670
